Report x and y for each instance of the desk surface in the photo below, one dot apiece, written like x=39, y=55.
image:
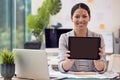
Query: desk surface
x=85, y=79
x=67, y=79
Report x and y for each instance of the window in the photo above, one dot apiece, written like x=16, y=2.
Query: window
x=13, y=32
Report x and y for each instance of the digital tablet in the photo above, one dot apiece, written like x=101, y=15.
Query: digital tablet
x=84, y=47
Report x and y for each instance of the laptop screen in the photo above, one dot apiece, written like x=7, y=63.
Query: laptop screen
x=52, y=37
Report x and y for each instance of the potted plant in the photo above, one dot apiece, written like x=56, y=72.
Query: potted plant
x=37, y=23
x=7, y=64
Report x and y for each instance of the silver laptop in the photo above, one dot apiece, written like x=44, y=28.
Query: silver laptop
x=31, y=64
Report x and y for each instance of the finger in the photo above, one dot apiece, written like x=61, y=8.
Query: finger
x=101, y=54
x=67, y=54
x=101, y=50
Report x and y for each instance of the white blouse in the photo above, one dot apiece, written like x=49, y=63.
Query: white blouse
x=79, y=65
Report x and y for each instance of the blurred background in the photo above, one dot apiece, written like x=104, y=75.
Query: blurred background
x=13, y=19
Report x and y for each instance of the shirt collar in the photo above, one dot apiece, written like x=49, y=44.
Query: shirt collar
x=72, y=33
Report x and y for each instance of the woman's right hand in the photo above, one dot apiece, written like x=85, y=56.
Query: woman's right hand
x=67, y=55
x=67, y=64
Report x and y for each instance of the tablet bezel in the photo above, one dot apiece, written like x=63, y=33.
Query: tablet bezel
x=94, y=43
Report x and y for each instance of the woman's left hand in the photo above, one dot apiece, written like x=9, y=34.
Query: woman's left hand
x=99, y=63
x=101, y=53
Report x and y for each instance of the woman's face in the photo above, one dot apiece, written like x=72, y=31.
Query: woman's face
x=80, y=19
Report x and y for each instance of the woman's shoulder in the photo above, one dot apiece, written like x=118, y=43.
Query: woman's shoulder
x=94, y=34
x=67, y=34
x=64, y=37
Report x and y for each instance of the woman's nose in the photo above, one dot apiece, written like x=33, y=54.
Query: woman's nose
x=80, y=19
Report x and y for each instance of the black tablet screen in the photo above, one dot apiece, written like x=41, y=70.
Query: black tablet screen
x=84, y=47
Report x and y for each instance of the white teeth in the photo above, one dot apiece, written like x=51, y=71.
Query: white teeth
x=80, y=24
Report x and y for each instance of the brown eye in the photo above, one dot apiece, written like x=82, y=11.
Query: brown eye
x=85, y=16
x=77, y=16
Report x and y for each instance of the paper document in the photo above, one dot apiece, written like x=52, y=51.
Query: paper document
x=81, y=74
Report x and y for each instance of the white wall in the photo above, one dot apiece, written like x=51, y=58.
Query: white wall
x=116, y=17
x=35, y=5
x=103, y=12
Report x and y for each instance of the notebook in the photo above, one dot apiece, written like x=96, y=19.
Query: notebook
x=84, y=47
x=31, y=64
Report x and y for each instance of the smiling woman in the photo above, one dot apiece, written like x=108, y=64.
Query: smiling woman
x=80, y=19
x=80, y=16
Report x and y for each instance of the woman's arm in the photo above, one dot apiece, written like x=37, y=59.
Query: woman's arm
x=67, y=63
x=100, y=64
x=64, y=63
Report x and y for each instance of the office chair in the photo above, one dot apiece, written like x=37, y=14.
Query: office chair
x=32, y=45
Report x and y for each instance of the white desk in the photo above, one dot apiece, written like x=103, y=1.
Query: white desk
x=76, y=75
x=52, y=51
x=52, y=54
